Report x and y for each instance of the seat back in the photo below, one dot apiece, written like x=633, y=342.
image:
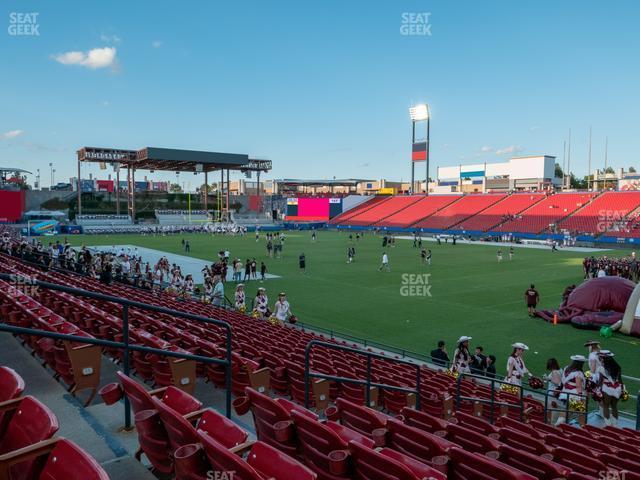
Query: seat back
x=359, y=418
x=465, y=465
x=533, y=464
x=179, y=430
x=266, y=414
x=11, y=384
x=32, y=422
x=316, y=441
x=372, y=465
x=415, y=442
x=423, y=421
x=470, y=440
x=138, y=396
x=271, y=463
x=222, y=460
x=180, y=400
x=222, y=429
x=578, y=462
x=67, y=461
x=522, y=441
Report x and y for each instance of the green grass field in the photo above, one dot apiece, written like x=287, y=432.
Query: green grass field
x=470, y=292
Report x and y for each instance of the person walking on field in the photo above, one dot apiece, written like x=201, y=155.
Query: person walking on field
x=385, y=263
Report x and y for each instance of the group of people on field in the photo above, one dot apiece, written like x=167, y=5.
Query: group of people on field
x=626, y=267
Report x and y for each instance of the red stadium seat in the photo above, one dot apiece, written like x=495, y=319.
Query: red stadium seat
x=584, y=464
x=142, y=399
x=64, y=461
x=423, y=421
x=362, y=419
x=31, y=422
x=11, y=386
x=263, y=462
x=537, y=465
x=317, y=441
x=370, y=464
x=465, y=465
x=416, y=443
x=272, y=422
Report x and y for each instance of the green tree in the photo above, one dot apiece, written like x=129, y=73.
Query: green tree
x=609, y=170
x=632, y=170
x=559, y=172
x=175, y=188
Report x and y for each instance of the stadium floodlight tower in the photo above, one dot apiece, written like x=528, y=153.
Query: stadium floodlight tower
x=419, y=145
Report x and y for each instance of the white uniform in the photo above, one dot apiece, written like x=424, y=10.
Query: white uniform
x=611, y=387
x=594, y=358
x=515, y=370
x=239, y=299
x=281, y=310
x=569, y=384
x=461, y=359
x=261, y=303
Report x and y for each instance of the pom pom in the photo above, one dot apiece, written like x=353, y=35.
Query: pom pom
x=535, y=382
x=451, y=373
x=508, y=388
x=625, y=395
x=577, y=405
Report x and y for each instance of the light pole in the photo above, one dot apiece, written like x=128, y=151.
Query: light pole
x=420, y=150
x=51, y=169
x=38, y=177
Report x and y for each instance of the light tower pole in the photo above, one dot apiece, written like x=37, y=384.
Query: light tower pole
x=420, y=149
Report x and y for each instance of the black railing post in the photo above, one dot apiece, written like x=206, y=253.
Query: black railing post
x=125, y=363
x=307, y=351
x=227, y=373
x=638, y=411
x=418, y=386
x=367, y=392
x=521, y=403
x=546, y=405
x=458, y=382
x=493, y=400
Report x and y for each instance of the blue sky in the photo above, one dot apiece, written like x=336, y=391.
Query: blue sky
x=321, y=88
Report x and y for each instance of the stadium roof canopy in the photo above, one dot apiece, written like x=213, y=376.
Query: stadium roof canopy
x=171, y=159
x=13, y=170
x=347, y=182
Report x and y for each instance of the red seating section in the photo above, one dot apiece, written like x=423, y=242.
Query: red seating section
x=549, y=211
x=458, y=211
x=603, y=213
x=383, y=209
x=500, y=212
x=426, y=206
x=366, y=205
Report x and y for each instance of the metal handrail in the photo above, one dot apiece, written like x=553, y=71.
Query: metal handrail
x=493, y=403
x=368, y=383
x=125, y=345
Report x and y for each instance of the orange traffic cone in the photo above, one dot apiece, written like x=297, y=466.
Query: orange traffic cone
x=555, y=318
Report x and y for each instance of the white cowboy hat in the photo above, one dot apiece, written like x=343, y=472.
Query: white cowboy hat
x=261, y=289
x=606, y=353
x=464, y=338
x=520, y=345
x=578, y=358
x=240, y=285
x=591, y=342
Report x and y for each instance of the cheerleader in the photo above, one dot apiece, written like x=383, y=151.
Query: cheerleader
x=261, y=302
x=461, y=357
x=239, y=298
x=594, y=365
x=282, y=308
x=208, y=290
x=594, y=356
x=189, y=285
x=609, y=377
x=573, y=384
x=516, y=368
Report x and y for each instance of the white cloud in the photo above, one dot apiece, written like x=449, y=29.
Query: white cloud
x=364, y=165
x=535, y=127
x=486, y=149
x=93, y=59
x=105, y=103
x=157, y=43
x=509, y=150
x=110, y=38
x=11, y=134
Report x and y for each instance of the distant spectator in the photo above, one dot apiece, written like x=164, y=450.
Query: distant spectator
x=439, y=356
x=490, y=372
x=478, y=362
x=532, y=297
